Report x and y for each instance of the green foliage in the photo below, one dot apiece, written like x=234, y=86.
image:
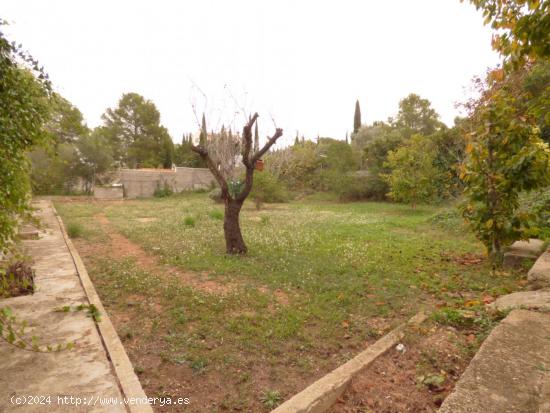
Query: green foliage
x=74, y=230
x=357, y=117
x=267, y=188
x=75, y=156
x=190, y=221
x=505, y=157
x=135, y=134
x=537, y=203
x=271, y=398
x=416, y=116
x=184, y=155
x=523, y=27
x=413, y=178
x=163, y=190
x=216, y=214
x=24, y=111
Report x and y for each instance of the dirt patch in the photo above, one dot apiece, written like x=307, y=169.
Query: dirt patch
x=120, y=246
x=465, y=259
x=411, y=379
x=146, y=219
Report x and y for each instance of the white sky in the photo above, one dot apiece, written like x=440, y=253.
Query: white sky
x=302, y=63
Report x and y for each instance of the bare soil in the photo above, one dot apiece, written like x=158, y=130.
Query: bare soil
x=414, y=380
x=120, y=246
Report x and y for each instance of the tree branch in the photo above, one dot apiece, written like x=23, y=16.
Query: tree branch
x=203, y=153
x=247, y=140
x=252, y=162
x=268, y=144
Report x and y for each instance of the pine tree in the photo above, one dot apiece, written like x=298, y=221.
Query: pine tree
x=357, y=117
x=256, y=139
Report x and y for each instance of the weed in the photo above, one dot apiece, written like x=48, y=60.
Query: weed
x=198, y=364
x=215, y=214
x=74, y=230
x=271, y=398
x=189, y=221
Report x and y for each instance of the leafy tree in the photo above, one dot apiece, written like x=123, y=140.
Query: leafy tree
x=523, y=28
x=95, y=157
x=135, y=133
x=25, y=92
x=54, y=172
x=505, y=157
x=357, y=117
x=66, y=123
x=417, y=116
x=413, y=178
x=184, y=155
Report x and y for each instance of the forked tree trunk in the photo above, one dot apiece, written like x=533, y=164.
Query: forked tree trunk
x=234, y=241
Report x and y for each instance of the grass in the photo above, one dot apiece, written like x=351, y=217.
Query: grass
x=74, y=230
x=317, y=274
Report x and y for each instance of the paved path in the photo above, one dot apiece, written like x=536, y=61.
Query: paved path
x=85, y=371
x=511, y=371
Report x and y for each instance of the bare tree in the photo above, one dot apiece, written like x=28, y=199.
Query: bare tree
x=234, y=200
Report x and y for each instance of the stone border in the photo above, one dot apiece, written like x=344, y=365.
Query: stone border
x=123, y=369
x=322, y=394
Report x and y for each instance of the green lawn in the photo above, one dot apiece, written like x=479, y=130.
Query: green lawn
x=320, y=280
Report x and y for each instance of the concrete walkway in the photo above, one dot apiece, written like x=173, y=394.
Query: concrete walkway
x=88, y=372
x=511, y=371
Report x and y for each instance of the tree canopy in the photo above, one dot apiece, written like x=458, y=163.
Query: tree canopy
x=134, y=131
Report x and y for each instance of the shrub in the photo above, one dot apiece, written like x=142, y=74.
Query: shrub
x=189, y=221
x=538, y=204
x=413, y=178
x=163, y=191
x=215, y=214
x=74, y=230
x=267, y=188
x=359, y=185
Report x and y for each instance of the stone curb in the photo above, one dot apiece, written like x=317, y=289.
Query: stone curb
x=538, y=276
x=322, y=394
x=123, y=369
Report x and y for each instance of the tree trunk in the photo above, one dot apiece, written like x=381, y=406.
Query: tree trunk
x=234, y=241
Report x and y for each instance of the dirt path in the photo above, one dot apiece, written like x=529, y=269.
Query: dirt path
x=120, y=246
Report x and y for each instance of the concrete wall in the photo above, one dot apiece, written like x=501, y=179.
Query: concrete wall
x=108, y=192
x=144, y=182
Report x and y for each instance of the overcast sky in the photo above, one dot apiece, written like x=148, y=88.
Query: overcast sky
x=300, y=63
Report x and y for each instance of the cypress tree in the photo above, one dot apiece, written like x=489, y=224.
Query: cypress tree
x=357, y=117
x=202, y=139
x=347, y=137
x=296, y=141
x=256, y=139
